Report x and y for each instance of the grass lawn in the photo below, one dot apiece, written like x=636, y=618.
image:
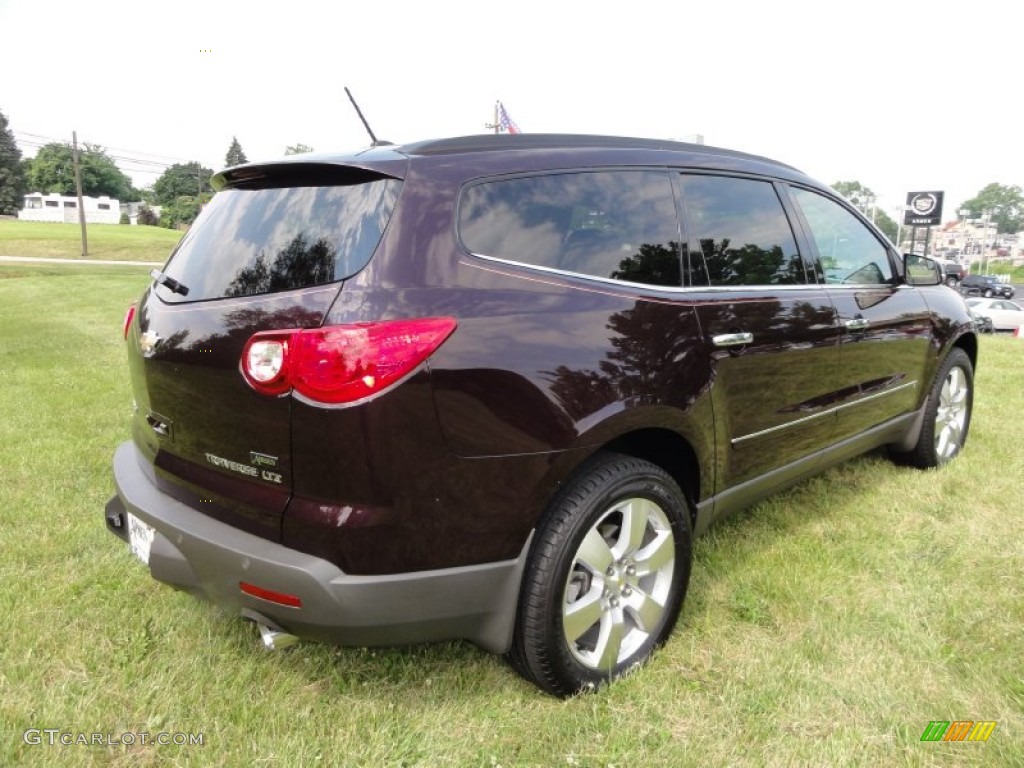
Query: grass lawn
x=106, y=241
x=826, y=626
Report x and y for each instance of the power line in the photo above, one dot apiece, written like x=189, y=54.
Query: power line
x=130, y=162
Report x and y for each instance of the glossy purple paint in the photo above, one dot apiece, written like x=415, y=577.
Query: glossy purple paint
x=456, y=465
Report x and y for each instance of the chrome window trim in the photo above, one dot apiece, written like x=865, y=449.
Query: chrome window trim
x=816, y=287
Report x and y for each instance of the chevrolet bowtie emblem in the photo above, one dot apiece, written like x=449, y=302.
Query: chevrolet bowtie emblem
x=148, y=342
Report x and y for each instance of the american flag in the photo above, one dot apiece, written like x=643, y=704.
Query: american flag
x=507, y=123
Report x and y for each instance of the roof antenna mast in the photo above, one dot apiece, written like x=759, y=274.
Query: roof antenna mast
x=373, y=139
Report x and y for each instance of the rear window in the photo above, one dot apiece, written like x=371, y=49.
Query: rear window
x=253, y=241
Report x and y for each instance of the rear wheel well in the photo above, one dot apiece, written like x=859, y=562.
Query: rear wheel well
x=670, y=452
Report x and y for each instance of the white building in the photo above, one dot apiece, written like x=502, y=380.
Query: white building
x=64, y=208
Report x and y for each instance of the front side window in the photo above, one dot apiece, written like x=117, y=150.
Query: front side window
x=744, y=234
x=253, y=241
x=617, y=225
x=849, y=251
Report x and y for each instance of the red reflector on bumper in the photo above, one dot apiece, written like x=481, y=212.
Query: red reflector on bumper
x=270, y=595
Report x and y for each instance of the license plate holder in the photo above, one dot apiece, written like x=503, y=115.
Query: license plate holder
x=140, y=537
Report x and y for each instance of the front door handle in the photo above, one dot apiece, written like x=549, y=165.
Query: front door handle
x=857, y=324
x=732, y=339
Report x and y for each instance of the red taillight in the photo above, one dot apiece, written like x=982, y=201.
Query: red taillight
x=342, y=364
x=128, y=317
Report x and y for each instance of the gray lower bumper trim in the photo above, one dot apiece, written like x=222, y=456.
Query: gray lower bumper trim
x=194, y=552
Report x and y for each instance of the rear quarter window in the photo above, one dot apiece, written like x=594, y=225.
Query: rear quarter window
x=254, y=241
x=615, y=225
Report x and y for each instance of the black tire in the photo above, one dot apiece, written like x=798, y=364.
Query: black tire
x=947, y=416
x=609, y=569
x=951, y=282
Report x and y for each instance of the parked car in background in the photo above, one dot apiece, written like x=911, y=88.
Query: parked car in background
x=983, y=323
x=952, y=272
x=1005, y=315
x=985, y=286
x=491, y=387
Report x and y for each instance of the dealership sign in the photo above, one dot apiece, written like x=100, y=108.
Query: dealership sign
x=924, y=209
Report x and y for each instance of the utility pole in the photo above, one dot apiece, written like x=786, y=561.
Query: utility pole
x=78, y=188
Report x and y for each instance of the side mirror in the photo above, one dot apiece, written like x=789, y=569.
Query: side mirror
x=920, y=270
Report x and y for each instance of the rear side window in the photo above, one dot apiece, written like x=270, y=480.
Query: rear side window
x=848, y=250
x=253, y=241
x=744, y=233
x=617, y=225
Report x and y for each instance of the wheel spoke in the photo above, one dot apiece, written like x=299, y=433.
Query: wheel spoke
x=594, y=553
x=582, y=615
x=634, y=525
x=609, y=640
x=656, y=555
x=955, y=384
x=645, y=610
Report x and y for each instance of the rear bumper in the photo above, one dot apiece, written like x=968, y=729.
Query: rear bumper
x=194, y=552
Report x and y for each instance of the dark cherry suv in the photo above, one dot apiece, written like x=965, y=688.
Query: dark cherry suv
x=491, y=387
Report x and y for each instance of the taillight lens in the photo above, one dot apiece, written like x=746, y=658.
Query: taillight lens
x=128, y=317
x=342, y=364
x=263, y=362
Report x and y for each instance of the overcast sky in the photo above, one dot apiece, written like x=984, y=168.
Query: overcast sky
x=901, y=96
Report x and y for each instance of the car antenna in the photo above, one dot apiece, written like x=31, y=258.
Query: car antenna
x=375, y=141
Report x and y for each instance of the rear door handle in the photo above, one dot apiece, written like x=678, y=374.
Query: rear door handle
x=732, y=339
x=857, y=324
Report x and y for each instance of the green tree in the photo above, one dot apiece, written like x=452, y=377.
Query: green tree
x=1004, y=203
x=183, y=180
x=862, y=197
x=12, y=174
x=298, y=149
x=864, y=200
x=53, y=170
x=180, y=212
x=235, y=155
x=885, y=223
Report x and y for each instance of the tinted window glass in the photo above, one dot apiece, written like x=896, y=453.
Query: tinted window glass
x=744, y=235
x=848, y=250
x=251, y=241
x=619, y=225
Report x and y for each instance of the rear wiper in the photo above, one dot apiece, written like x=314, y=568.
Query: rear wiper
x=175, y=287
